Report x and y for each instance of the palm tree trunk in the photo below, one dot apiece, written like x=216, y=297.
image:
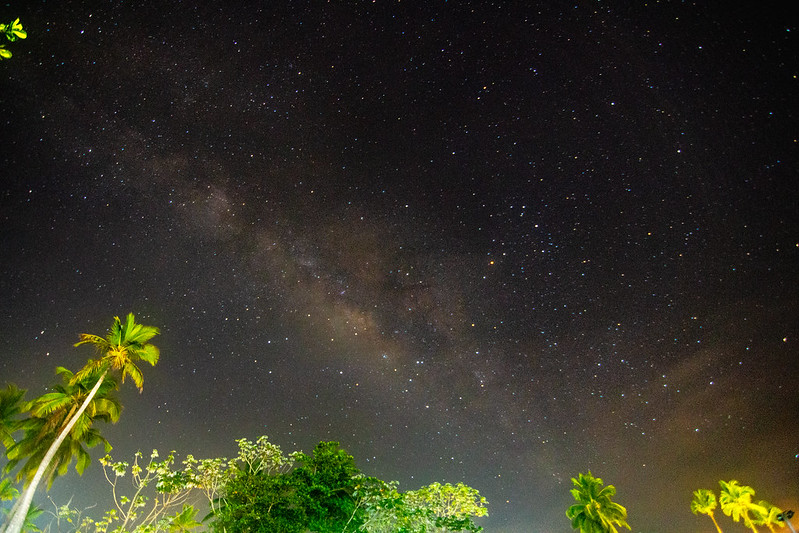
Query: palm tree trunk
x=18, y=518
x=715, y=523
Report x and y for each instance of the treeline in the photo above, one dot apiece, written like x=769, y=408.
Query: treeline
x=596, y=512
x=261, y=489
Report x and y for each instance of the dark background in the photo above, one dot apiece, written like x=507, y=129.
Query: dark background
x=498, y=244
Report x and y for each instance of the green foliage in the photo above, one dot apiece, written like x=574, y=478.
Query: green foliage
x=261, y=456
x=256, y=502
x=11, y=407
x=326, y=483
x=594, y=511
x=264, y=495
x=7, y=491
x=29, y=524
x=156, y=489
x=183, y=521
x=12, y=31
x=326, y=492
x=144, y=510
x=451, y=506
x=385, y=510
x=435, y=507
x=209, y=476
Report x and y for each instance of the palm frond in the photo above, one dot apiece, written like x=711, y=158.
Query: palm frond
x=48, y=403
x=91, y=370
x=135, y=374
x=66, y=373
x=98, y=342
x=109, y=408
x=149, y=353
x=83, y=460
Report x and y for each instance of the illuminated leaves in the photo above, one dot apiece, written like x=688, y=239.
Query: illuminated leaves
x=12, y=32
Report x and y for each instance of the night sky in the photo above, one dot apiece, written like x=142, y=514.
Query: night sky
x=492, y=243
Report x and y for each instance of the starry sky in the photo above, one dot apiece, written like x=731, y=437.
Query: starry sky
x=497, y=243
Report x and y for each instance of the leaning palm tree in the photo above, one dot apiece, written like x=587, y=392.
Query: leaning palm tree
x=736, y=502
x=769, y=519
x=49, y=414
x=124, y=345
x=594, y=511
x=704, y=502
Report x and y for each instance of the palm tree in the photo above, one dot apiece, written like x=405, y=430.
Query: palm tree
x=736, y=501
x=125, y=344
x=704, y=502
x=49, y=414
x=769, y=519
x=594, y=511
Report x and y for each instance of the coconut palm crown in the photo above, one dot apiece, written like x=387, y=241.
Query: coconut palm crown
x=770, y=518
x=594, y=511
x=704, y=502
x=125, y=344
x=736, y=502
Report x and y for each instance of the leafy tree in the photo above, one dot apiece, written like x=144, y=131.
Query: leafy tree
x=210, y=476
x=142, y=510
x=384, y=507
x=261, y=456
x=449, y=506
x=255, y=494
x=258, y=502
x=12, y=32
x=263, y=494
x=768, y=519
x=704, y=502
x=594, y=511
x=156, y=489
x=49, y=414
x=326, y=482
x=432, y=508
x=736, y=501
x=125, y=344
